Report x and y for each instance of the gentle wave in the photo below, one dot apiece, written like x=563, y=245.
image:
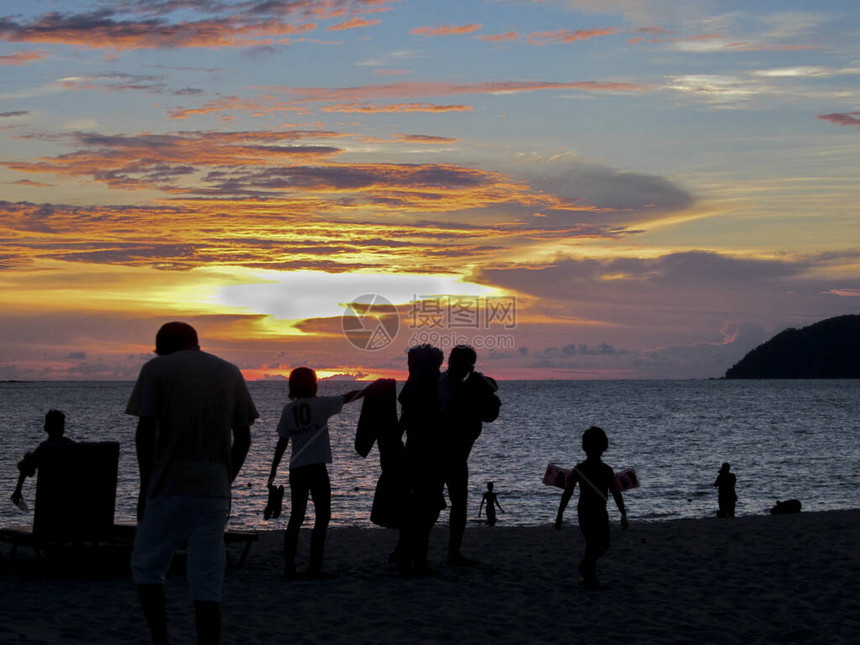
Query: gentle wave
x=784, y=439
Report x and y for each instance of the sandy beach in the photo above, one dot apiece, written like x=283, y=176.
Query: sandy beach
x=764, y=579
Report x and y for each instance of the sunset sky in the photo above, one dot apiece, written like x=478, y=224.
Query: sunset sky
x=648, y=189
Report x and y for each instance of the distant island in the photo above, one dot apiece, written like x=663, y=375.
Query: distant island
x=827, y=349
x=345, y=378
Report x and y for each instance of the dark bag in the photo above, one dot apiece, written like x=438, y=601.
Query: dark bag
x=786, y=506
x=378, y=416
x=489, y=401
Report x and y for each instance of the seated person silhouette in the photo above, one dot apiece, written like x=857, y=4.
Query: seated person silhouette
x=55, y=426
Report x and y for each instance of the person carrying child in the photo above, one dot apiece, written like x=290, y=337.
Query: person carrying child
x=595, y=480
x=305, y=420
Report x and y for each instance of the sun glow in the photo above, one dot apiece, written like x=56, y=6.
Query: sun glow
x=302, y=295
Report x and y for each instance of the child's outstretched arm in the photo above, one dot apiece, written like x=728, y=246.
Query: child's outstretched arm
x=481, y=507
x=354, y=395
x=276, y=460
x=619, y=501
x=499, y=505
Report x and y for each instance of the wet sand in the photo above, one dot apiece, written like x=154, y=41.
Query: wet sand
x=792, y=578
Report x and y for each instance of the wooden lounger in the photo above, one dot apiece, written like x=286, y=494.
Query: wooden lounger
x=125, y=531
x=75, y=497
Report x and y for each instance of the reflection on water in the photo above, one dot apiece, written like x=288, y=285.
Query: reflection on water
x=784, y=439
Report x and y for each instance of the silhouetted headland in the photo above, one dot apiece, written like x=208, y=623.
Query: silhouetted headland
x=826, y=349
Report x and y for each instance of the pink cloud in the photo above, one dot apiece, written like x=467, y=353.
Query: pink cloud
x=651, y=31
x=445, y=30
x=392, y=72
x=424, y=138
x=541, y=38
x=429, y=88
x=562, y=36
x=369, y=108
x=845, y=293
x=698, y=37
x=103, y=32
x=844, y=118
x=30, y=182
x=361, y=98
x=23, y=58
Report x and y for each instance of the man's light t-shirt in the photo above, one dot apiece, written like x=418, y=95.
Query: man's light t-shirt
x=197, y=399
x=305, y=423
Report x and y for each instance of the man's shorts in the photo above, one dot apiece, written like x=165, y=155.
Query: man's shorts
x=169, y=520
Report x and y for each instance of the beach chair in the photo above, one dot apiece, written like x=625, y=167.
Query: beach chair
x=75, y=497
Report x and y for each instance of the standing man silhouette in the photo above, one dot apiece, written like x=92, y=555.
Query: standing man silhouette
x=726, y=495
x=468, y=398
x=192, y=437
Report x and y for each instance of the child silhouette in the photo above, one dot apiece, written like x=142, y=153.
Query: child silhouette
x=595, y=480
x=492, y=501
x=305, y=420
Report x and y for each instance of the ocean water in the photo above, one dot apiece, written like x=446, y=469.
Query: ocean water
x=784, y=439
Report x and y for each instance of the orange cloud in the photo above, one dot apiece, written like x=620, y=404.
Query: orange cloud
x=30, y=182
x=270, y=164
x=23, y=58
x=280, y=234
x=367, y=108
x=511, y=35
x=249, y=209
x=234, y=103
x=164, y=161
x=445, y=30
x=353, y=23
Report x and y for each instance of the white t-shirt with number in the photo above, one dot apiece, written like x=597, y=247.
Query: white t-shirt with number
x=305, y=423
